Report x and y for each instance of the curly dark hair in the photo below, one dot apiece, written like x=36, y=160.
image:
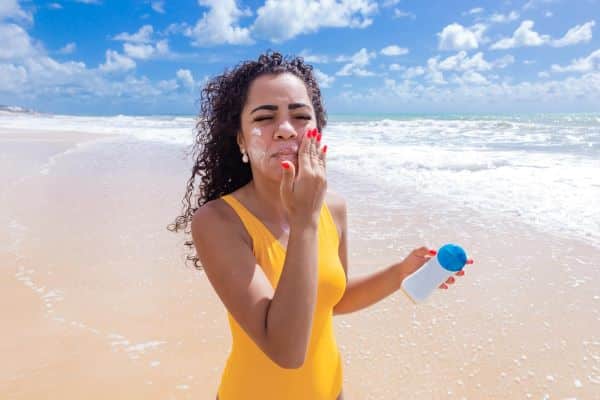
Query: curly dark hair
x=215, y=150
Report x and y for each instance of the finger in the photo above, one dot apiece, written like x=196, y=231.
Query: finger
x=450, y=280
x=470, y=261
x=286, y=186
x=460, y=273
x=304, y=152
x=443, y=286
x=321, y=151
x=323, y=157
x=314, y=153
x=425, y=252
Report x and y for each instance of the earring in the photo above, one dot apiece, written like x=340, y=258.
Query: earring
x=244, y=156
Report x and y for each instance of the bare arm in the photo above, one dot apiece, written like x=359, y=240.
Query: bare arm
x=279, y=321
x=364, y=291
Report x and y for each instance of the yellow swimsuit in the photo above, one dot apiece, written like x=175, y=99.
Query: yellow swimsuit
x=249, y=373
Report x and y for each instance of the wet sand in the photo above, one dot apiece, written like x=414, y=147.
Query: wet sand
x=98, y=302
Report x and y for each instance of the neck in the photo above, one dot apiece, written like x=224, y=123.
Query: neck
x=266, y=194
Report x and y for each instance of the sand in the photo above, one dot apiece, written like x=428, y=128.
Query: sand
x=98, y=302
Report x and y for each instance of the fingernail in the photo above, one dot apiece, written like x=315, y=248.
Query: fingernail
x=460, y=273
x=285, y=165
x=432, y=252
x=470, y=261
x=325, y=149
x=319, y=137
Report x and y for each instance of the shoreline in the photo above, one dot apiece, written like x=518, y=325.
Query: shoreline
x=95, y=278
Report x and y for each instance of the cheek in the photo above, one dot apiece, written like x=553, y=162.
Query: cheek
x=257, y=149
x=256, y=132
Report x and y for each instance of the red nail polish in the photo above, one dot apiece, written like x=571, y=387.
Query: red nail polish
x=470, y=261
x=325, y=149
x=432, y=252
x=285, y=165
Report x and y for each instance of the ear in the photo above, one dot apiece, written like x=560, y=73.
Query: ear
x=240, y=139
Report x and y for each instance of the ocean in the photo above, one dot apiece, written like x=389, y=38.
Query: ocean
x=543, y=169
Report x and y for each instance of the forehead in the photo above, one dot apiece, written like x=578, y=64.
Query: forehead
x=273, y=89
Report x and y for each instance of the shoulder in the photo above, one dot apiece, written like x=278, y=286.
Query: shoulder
x=336, y=203
x=216, y=216
x=337, y=207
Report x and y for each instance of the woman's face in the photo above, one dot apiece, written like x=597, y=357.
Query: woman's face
x=277, y=114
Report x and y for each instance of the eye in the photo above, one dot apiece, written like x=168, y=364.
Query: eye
x=258, y=119
x=307, y=117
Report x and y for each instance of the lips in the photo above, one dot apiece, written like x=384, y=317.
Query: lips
x=286, y=152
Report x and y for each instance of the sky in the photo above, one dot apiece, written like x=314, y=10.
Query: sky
x=149, y=57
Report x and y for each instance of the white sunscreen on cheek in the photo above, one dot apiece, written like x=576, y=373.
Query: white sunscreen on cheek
x=256, y=132
x=257, y=146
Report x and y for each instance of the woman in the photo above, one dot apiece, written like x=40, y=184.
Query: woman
x=269, y=235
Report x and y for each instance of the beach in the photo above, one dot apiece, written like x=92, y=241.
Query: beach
x=99, y=303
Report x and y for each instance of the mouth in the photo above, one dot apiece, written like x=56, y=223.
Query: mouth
x=286, y=154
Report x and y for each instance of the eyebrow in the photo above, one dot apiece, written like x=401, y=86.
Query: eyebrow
x=291, y=106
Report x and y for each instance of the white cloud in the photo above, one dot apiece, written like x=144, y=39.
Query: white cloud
x=282, y=20
x=534, y=3
x=16, y=42
x=10, y=9
x=68, y=48
x=185, y=76
x=389, y=3
x=116, y=62
x=357, y=64
x=27, y=72
x=413, y=72
x=502, y=18
x=577, y=34
x=140, y=51
x=548, y=14
x=219, y=25
x=398, y=13
x=526, y=36
x=158, y=6
x=89, y=1
x=568, y=94
x=434, y=75
x=314, y=58
x=584, y=64
x=461, y=62
x=473, y=11
x=471, y=78
x=457, y=37
x=394, y=50
x=55, y=6
x=146, y=51
x=12, y=77
x=523, y=36
x=396, y=67
x=325, y=81
x=143, y=35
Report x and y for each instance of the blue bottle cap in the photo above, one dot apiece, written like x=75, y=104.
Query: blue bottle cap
x=452, y=257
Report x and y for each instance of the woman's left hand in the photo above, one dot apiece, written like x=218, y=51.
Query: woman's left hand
x=451, y=280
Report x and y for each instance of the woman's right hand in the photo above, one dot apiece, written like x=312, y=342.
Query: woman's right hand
x=303, y=193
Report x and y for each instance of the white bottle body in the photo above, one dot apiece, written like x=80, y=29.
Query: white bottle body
x=421, y=283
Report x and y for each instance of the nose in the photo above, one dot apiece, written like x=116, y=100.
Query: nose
x=285, y=130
